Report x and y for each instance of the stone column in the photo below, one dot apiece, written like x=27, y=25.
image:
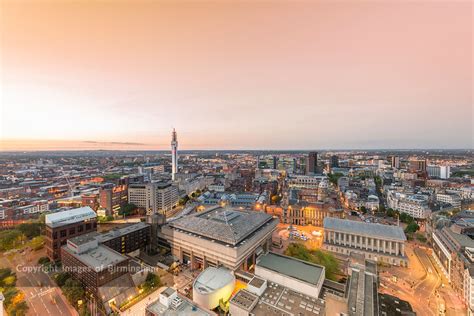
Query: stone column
x=384, y=246
x=378, y=245
x=366, y=243
x=403, y=249
x=192, y=261
x=397, y=250
x=204, y=262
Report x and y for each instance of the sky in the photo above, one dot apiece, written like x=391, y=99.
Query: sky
x=236, y=74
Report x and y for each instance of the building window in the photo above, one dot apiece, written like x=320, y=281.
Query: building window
x=62, y=233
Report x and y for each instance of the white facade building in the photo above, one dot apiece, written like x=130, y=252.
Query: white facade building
x=376, y=242
x=154, y=197
x=452, y=199
x=213, y=285
x=442, y=172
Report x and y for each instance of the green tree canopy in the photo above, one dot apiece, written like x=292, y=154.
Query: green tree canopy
x=412, y=227
x=9, y=239
x=30, y=230
x=18, y=309
x=73, y=291
x=61, y=278
x=320, y=257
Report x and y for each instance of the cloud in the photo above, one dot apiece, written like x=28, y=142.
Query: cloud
x=114, y=143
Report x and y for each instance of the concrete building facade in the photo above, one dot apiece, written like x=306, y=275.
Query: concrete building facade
x=375, y=241
x=220, y=236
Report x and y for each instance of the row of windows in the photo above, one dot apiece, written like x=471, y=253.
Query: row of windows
x=63, y=233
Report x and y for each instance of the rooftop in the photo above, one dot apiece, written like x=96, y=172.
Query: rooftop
x=295, y=268
x=186, y=307
x=98, y=258
x=120, y=231
x=83, y=239
x=367, y=229
x=226, y=225
x=103, y=237
x=279, y=300
x=213, y=279
x=244, y=299
x=257, y=282
x=69, y=216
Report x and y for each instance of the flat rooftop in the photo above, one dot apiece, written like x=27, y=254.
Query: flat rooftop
x=244, y=299
x=121, y=231
x=226, y=225
x=279, y=300
x=366, y=229
x=257, y=282
x=69, y=216
x=83, y=239
x=98, y=258
x=295, y=268
x=185, y=308
x=212, y=279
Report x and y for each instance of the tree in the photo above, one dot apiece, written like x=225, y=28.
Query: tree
x=152, y=280
x=127, y=209
x=390, y=212
x=183, y=200
x=61, y=278
x=320, y=257
x=7, y=278
x=363, y=209
x=18, y=309
x=5, y=272
x=9, y=239
x=37, y=243
x=412, y=227
x=9, y=294
x=275, y=199
x=43, y=260
x=30, y=230
x=405, y=218
x=333, y=177
x=73, y=291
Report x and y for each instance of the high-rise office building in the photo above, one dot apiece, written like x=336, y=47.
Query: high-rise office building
x=112, y=198
x=312, y=163
x=155, y=198
x=396, y=162
x=334, y=161
x=442, y=172
x=417, y=165
x=174, y=155
x=275, y=162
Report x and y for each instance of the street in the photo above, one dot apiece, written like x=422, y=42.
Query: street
x=41, y=293
x=421, y=285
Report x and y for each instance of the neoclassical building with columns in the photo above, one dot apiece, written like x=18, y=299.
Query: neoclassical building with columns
x=383, y=243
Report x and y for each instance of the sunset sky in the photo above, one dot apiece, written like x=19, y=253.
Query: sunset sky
x=236, y=75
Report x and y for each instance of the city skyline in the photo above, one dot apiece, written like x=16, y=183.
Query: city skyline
x=270, y=75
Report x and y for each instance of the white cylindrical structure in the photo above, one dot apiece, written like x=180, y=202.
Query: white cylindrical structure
x=212, y=285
